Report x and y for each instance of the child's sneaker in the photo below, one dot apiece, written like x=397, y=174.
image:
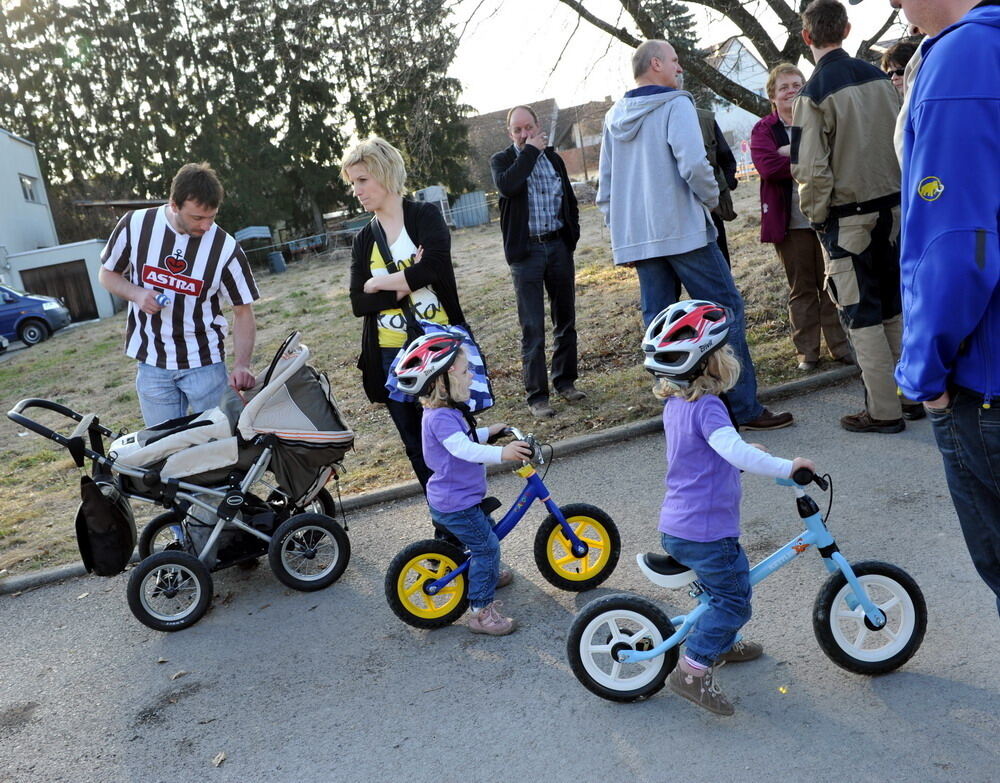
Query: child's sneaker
x=489, y=621
x=505, y=578
x=742, y=651
x=700, y=688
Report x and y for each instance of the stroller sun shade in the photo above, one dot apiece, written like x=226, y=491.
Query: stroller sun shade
x=296, y=406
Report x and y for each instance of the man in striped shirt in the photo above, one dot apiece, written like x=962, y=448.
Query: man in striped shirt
x=174, y=267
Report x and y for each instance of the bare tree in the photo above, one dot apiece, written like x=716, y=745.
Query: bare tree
x=752, y=17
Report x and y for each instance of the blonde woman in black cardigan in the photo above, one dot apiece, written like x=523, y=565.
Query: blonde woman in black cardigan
x=420, y=271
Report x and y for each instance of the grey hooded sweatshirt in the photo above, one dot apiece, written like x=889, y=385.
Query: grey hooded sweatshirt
x=656, y=186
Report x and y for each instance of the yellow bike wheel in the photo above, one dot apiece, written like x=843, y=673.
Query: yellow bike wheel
x=418, y=566
x=554, y=553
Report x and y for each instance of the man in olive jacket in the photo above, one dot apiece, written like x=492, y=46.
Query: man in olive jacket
x=843, y=158
x=540, y=223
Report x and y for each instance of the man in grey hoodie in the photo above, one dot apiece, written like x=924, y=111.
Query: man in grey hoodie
x=656, y=190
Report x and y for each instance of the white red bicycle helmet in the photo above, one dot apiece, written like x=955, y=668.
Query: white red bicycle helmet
x=680, y=339
x=425, y=359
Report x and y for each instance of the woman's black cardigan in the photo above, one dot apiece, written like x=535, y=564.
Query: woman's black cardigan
x=427, y=229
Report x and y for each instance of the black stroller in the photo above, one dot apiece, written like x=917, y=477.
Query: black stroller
x=205, y=469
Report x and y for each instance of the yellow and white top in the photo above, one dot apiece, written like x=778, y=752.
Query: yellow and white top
x=392, y=323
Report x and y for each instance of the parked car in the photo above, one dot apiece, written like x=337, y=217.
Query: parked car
x=30, y=318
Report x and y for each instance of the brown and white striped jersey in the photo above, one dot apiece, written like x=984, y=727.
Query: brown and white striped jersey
x=194, y=272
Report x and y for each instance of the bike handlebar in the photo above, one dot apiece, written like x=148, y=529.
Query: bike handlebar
x=804, y=476
x=536, y=447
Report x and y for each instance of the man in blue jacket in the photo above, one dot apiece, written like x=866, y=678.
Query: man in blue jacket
x=951, y=258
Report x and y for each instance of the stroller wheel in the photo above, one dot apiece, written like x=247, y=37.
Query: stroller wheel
x=163, y=533
x=169, y=591
x=322, y=504
x=309, y=552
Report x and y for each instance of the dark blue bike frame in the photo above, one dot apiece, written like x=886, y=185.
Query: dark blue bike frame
x=534, y=489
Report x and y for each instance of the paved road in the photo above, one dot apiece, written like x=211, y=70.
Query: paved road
x=331, y=686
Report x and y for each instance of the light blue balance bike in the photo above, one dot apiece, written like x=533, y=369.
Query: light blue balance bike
x=869, y=617
x=576, y=548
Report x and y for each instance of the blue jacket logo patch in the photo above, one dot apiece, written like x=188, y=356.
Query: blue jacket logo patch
x=930, y=189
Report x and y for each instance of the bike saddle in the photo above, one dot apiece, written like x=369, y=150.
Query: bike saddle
x=490, y=504
x=664, y=564
x=664, y=570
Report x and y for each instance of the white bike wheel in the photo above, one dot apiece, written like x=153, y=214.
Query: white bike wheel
x=850, y=639
x=608, y=626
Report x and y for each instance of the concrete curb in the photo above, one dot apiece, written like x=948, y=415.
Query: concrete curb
x=18, y=584
x=591, y=440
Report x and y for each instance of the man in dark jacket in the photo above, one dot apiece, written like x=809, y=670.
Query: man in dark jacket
x=540, y=224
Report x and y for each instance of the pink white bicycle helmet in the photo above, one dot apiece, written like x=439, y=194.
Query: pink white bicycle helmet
x=680, y=339
x=426, y=358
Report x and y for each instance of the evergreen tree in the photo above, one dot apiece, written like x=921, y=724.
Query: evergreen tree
x=117, y=94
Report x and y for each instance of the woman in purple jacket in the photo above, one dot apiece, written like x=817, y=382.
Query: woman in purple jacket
x=782, y=222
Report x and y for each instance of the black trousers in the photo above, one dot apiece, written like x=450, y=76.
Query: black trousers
x=407, y=417
x=548, y=268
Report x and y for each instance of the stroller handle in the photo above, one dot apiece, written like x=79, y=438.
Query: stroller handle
x=16, y=414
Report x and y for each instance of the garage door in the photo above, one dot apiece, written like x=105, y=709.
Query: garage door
x=70, y=282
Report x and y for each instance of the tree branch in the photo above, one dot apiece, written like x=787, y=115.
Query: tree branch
x=790, y=20
x=645, y=22
x=749, y=26
x=694, y=61
x=620, y=33
x=864, y=50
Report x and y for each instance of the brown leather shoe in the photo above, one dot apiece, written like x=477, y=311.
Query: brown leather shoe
x=863, y=422
x=768, y=421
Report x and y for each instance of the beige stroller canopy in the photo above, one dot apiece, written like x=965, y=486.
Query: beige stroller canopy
x=292, y=410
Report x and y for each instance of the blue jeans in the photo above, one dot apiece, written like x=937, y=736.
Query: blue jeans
x=968, y=437
x=548, y=268
x=705, y=275
x=167, y=394
x=473, y=528
x=722, y=567
x=407, y=416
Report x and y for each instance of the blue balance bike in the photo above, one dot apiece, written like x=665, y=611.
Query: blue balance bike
x=576, y=548
x=869, y=617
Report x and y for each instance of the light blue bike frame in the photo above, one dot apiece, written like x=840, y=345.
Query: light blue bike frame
x=534, y=489
x=816, y=535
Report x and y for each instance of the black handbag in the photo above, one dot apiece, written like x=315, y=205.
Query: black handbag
x=105, y=528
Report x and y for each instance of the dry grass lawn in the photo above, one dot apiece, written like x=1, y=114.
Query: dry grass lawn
x=85, y=368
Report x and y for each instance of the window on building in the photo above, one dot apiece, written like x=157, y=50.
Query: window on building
x=29, y=187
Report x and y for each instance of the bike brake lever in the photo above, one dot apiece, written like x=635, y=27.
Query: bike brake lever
x=504, y=433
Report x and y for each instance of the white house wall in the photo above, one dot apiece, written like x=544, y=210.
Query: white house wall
x=24, y=225
x=740, y=65
x=88, y=251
